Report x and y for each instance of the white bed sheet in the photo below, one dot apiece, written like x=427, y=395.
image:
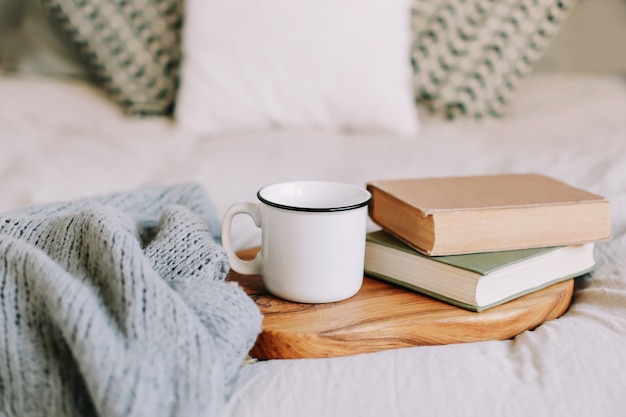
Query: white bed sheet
x=63, y=140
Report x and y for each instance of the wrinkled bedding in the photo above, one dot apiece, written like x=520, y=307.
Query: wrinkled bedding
x=63, y=140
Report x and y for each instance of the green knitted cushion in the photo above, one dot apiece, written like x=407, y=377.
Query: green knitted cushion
x=132, y=47
x=470, y=55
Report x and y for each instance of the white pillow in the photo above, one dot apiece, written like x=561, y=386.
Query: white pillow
x=321, y=64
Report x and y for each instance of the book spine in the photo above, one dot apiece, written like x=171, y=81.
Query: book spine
x=402, y=220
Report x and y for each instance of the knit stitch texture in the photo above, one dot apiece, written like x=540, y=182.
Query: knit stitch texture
x=117, y=306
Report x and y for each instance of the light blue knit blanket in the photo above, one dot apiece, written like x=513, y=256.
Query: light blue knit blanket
x=117, y=306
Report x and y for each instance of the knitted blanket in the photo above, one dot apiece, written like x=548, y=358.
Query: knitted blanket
x=117, y=306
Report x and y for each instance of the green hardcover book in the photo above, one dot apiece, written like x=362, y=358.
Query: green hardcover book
x=475, y=281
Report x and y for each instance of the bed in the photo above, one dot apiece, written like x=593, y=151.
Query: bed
x=64, y=138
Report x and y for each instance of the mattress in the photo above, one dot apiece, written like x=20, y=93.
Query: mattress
x=63, y=139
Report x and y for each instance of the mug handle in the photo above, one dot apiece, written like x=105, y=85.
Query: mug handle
x=252, y=267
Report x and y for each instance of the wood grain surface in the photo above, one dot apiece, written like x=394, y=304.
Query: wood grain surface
x=384, y=316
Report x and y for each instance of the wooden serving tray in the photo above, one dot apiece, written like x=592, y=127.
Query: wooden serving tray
x=385, y=316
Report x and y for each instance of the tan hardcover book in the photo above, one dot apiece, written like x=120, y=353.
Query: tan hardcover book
x=457, y=215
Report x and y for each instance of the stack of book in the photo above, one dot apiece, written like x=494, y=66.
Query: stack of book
x=480, y=241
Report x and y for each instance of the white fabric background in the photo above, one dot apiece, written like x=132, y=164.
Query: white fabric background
x=62, y=140
x=326, y=64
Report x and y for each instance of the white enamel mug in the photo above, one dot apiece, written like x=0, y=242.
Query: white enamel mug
x=312, y=239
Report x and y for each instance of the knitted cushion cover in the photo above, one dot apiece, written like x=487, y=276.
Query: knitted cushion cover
x=131, y=47
x=470, y=55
